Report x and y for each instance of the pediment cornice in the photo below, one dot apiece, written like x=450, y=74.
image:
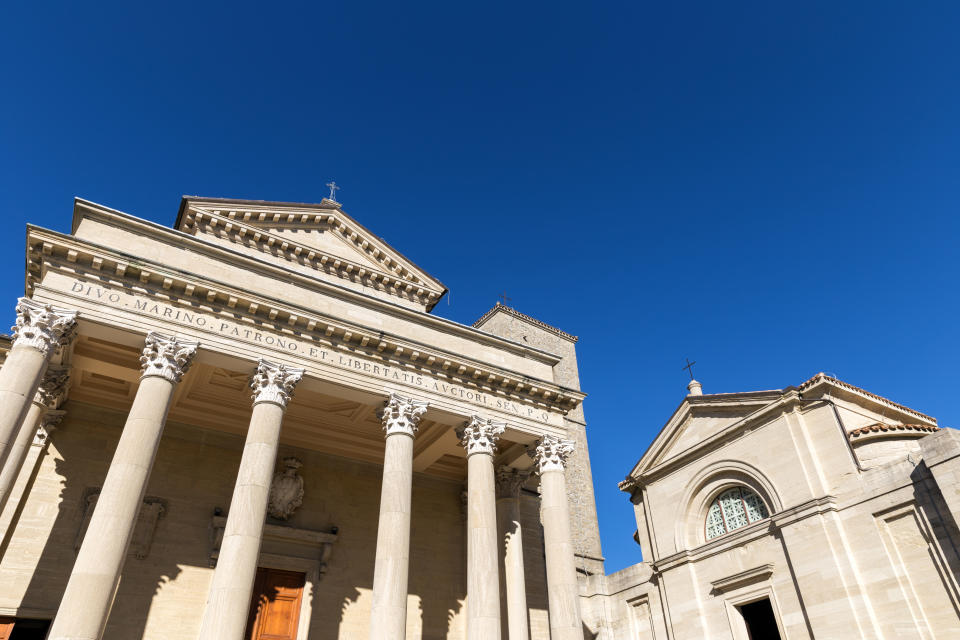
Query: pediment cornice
x=660, y=458
x=52, y=251
x=249, y=224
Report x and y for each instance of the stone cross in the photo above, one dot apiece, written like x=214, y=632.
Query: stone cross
x=333, y=190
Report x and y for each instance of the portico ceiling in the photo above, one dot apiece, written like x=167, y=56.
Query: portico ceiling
x=209, y=397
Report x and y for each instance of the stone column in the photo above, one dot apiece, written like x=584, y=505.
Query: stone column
x=86, y=602
x=228, y=601
x=479, y=437
x=39, y=331
x=388, y=614
x=31, y=459
x=513, y=591
x=563, y=594
x=49, y=393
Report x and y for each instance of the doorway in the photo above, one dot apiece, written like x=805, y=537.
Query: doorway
x=275, y=608
x=22, y=629
x=760, y=620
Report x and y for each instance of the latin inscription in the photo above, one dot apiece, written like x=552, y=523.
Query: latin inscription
x=320, y=354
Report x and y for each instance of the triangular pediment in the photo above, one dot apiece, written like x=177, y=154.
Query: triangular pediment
x=317, y=239
x=699, y=418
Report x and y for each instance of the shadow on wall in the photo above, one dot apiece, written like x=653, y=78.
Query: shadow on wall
x=73, y=469
x=195, y=471
x=930, y=502
x=437, y=581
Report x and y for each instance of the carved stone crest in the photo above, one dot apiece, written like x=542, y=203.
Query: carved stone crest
x=286, y=490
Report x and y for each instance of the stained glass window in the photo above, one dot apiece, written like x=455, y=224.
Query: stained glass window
x=734, y=508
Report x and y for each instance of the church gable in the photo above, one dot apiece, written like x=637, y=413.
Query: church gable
x=700, y=425
x=700, y=418
x=317, y=239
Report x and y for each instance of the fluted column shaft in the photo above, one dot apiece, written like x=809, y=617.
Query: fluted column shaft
x=479, y=438
x=90, y=590
x=38, y=333
x=228, y=601
x=388, y=614
x=563, y=593
x=510, y=534
x=48, y=393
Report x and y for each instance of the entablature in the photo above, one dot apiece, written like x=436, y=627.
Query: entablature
x=65, y=264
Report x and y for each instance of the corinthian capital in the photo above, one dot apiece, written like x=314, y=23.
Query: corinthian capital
x=480, y=435
x=48, y=424
x=53, y=386
x=42, y=326
x=509, y=481
x=167, y=357
x=274, y=382
x=402, y=415
x=551, y=453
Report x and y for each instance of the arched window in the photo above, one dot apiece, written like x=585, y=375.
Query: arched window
x=732, y=509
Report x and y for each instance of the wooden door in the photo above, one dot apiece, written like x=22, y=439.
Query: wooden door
x=6, y=627
x=275, y=609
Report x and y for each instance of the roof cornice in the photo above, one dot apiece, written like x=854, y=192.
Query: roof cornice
x=882, y=431
x=272, y=269
x=823, y=379
x=642, y=474
x=647, y=468
x=51, y=250
x=502, y=308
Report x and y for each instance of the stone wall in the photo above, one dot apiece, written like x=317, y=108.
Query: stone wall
x=162, y=595
x=583, y=511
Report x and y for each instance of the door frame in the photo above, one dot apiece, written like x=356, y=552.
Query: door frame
x=311, y=570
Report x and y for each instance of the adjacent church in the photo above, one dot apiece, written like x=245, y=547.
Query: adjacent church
x=250, y=426
x=815, y=511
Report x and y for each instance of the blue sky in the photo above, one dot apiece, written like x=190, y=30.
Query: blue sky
x=769, y=189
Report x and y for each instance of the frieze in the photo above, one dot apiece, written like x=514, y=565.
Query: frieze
x=264, y=336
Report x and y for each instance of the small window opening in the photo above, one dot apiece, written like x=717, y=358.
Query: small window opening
x=760, y=621
x=734, y=508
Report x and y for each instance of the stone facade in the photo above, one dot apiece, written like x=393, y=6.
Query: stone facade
x=262, y=391
x=857, y=536
x=169, y=484
x=509, y=323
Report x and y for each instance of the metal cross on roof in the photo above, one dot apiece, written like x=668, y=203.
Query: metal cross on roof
x=505, y=299
x=689, y=367
x=333, y=190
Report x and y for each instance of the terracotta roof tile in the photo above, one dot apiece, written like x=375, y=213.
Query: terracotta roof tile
x=878, y=427
x=846, y=385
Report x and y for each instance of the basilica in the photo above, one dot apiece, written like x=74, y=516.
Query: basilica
x=250, y=426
